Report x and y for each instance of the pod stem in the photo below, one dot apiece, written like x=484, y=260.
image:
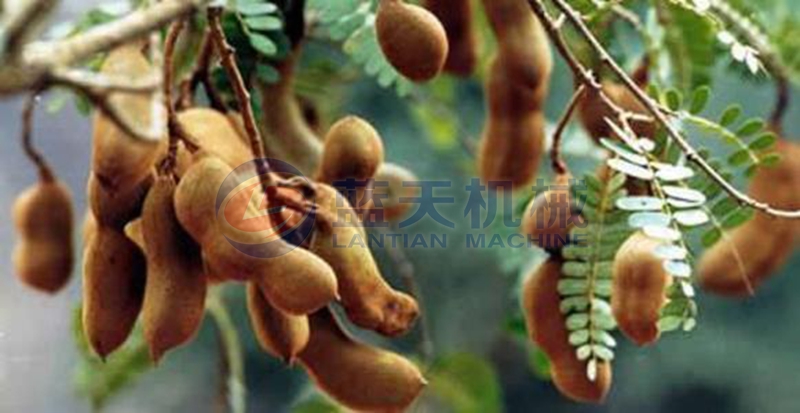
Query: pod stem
x=558, y=164
x=45, y=172
x=201, y=75
x=174, y=32
x=228, y=61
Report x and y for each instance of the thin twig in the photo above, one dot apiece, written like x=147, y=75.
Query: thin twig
x=659, y=113
x=20, y=25
x=201, y=75
x=174, y=32
x=45, y=173
x=228, y=61
x=558, y=164
x=101, y=83
x=232, y=348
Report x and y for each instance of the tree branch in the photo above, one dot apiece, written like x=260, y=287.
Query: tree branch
x=38, y=60
x=228, y=61
x=658, y=112
x=555, y=151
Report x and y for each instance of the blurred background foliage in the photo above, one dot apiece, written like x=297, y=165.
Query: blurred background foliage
x=741, y=358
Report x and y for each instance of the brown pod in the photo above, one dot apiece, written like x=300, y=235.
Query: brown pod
x=116, y=207
x=281, y=335
x=353, y=149
x=216, y=134
x=389, y=189
x=547, y=328
x=175, y=295
x=43, y=218
x=357, y=375
x=412, y=39
x=114, y=276
x=121, y=161
x=456, y=18
x=639, y=288
x=548, y=219
x=750, y=254
x=523, y=44
x=288, y=136
x=89, y=228
x=370, y=302
x=294, y=280
x=593, y=111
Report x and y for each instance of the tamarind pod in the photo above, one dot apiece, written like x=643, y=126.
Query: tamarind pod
x=522, y=41
x=43, y=256
x=412, y=39
x=281, y=335
x=511, y=148
x=287, y=134
x=116, y=207
x=352, y=149
x=294, y=280
x=639, y=288
x=366, y=297
x=456, y=18
x=114, y=277
x=394, y=175
x=548, y=217
x=89, y=227
x=753, y=252
x=547, y=329
x=357, y=375
x=133, y=230
x=593, y=111
x=118, y=160
x=217, y=134
x=175, y=294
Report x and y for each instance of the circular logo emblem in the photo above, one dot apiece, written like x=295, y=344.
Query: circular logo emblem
x=257, y=226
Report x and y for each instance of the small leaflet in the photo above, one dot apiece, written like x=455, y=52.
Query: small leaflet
x=692, y=218
x=673, y=173
x=631, y=169
x=645, y=219
x=671, y=252
x=640, y=203
x=678, y=269
x=662, y=233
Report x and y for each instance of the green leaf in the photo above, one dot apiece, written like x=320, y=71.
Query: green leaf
x=267, y=74
x=737, y=218
x=263, y=44
x=724, y=207
x=739, y=158
x=669, y=323
x=700, y=99
x=764, y=141
x=264, y=23
x=578, y=337
x=573, y=286
x=770, y=160
x=673, y=99
x=539, y=363
x=730, y=115
x=577, y=321
x=466, y=383
x=254, y=9
x=711, y=237
x=750, y=127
